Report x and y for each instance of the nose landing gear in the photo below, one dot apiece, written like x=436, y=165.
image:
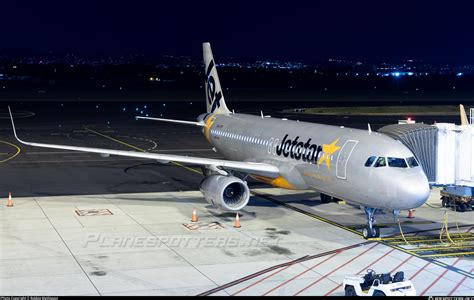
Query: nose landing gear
x=371, y=231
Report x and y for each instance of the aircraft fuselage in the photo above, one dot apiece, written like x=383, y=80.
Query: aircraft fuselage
x=329, y=159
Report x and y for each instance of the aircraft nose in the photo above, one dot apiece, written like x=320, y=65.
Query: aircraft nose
x=413, y=191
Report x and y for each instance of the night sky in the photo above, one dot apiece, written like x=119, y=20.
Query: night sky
x=308, y=31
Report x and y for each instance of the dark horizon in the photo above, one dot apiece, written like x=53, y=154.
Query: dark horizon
x=370, y=31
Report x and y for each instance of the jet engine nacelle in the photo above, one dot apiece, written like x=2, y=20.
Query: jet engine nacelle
x=225, y=192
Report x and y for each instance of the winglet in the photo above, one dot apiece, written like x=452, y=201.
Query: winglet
x=13, y=124
x=463, y=115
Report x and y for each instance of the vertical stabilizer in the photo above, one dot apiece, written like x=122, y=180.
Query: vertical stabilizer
x=214, y=97
x=463, y=115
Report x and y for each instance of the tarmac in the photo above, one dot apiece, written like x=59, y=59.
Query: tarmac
x=146, y=244
x=83, y=224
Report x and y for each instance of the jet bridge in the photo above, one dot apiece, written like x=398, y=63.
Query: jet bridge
x=445, y=151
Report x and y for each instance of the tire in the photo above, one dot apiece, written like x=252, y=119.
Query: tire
x=461, y=207
x=379, y=293
x=365, y=233
x=444, y=202
x=350, y=291
x=374, y=234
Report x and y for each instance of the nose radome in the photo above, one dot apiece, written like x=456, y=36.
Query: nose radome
x=413, y=191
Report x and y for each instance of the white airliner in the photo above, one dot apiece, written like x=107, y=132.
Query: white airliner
x=362, y=167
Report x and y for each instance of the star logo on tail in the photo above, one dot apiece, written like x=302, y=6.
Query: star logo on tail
x=328, y=150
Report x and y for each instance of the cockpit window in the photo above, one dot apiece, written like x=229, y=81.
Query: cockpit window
x=412, y=162
x=380, y=162
x=396, y=162
x=370, y=161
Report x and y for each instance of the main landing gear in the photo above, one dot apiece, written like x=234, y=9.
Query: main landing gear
x=371, y=231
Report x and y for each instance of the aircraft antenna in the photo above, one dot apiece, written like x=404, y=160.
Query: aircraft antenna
x=261, y=114
x=370, y=129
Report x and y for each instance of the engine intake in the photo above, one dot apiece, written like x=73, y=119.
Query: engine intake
x=225, y=192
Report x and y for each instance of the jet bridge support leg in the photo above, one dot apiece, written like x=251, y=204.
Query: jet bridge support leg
x=371, y=231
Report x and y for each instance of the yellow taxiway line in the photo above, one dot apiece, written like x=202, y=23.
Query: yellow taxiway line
x=18, y=150
x=138, y=149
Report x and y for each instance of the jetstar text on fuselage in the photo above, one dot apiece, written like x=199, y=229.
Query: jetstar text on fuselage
x=298, y=150
x=306, y=151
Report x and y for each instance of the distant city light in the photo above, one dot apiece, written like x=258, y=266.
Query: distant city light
x=459, y=74
x=136, y=109
x=144, y=106
x=124, y=109
x=151, y=78
x=396, y=74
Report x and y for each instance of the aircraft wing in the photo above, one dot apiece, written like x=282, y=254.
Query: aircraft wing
x=247, y=167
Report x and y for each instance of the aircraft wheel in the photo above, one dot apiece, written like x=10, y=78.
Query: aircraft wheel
x=461, y=207
x=379, y=293
x=350, y=291
x=445, y=202
x=374, y=233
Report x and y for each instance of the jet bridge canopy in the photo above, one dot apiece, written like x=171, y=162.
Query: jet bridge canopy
x=444, y=150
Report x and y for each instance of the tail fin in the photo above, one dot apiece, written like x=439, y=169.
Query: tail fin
x=463, y=115
x=214, y=97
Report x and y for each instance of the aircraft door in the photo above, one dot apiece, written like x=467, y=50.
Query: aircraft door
x=343, y=158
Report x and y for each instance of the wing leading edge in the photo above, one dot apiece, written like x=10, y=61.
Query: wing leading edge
x=247, y=167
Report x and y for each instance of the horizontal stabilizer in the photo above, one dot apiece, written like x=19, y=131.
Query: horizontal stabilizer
x=173, y=121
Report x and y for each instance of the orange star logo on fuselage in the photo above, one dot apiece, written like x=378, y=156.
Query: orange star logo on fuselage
x=328, y=151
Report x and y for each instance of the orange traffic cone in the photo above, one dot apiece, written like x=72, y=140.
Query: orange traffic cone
x=195, y=217
x=237, y=221
x=10, y=202
x=410, y=214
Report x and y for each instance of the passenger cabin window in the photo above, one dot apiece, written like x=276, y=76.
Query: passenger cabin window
x=412, y=162
x=380, y=162
x=370, y=161
x=396, y=162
